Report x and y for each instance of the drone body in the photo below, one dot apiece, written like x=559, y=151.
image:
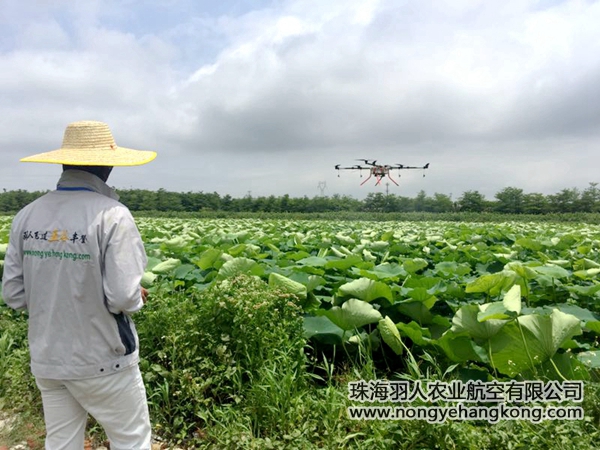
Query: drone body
x=378, y=171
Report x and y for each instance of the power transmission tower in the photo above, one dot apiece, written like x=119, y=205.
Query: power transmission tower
x=321, y=187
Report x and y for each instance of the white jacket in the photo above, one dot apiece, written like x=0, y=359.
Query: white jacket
x=75, y=260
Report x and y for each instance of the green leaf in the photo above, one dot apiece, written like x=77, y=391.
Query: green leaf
x=313, y=261
x=176, y=243
x=181, y=271
x=590, y=359
x=208, y=258
x=585, y=263
x=388, y=270
x=345, y=239
x=587, y=273
x=568, y=367
x=432, y=284
x=416, y=333
x=414, y=265
x=551, y=332
x=512, y=299
x=366, y=289
x=323, y=330
x=166, y=266
x=525, y=272
x=465, y=320
x=423, y=296
x=552, y=271
x=148, y=279
x=492, y=284
x=583, y=314
x=379, y=246
x=529, y=244
x=560, y=262
x=296, y=256
x=237, y=249
x=531, y=340
x=238, y=266
x=152, y=262
x=343, y=264
x=460, y=348
x=593, y=326
x=495, y=310
x=284, y=284
x=586, y=291
x=195, y=275
x=449, y=268
x=415, y=310
x=352, y=314
x=390, y=335
x=310, y=281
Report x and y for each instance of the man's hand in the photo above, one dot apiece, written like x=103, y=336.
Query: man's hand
x=144, y=295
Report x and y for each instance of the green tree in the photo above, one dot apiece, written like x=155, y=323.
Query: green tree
x=226, y=202
x=535, y=203
x=375, y=202
x=590, y=198
x=441, y=203
x=284, y=203
x=471, y=201
x=422, y=202
x=168, y=201
x=566, y=201
x=510, y=200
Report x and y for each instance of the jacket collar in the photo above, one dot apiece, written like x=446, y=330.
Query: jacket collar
x=86, y=180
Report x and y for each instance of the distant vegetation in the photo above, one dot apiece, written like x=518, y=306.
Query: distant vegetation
x=510, y=200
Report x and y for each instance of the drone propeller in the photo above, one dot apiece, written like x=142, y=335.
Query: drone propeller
x=372, y=163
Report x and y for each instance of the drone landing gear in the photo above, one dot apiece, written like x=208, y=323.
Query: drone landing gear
x=381, y=177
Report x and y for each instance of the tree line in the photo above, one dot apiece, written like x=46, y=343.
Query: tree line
x=510, y=200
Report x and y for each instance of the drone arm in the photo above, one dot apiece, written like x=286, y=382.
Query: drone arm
x=337, y=167
x=400, y=167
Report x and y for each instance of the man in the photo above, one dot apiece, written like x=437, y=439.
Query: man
x=75, y=261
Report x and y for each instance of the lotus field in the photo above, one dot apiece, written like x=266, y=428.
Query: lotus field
x=486, y=301
x=520, y=299
x=517, y=298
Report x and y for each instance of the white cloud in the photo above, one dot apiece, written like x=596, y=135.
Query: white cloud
x=487, y=92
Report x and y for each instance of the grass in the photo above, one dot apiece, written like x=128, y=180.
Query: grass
x=27, y=426
x=228, y=368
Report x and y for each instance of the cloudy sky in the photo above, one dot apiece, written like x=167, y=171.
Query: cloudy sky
x=265, y=97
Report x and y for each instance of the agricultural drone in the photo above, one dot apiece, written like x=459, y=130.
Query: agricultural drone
x=377, y=170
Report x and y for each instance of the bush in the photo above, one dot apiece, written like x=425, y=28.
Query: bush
x=18, y=390
x=237, y=343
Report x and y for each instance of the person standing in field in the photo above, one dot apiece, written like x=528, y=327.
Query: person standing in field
x=74, y=261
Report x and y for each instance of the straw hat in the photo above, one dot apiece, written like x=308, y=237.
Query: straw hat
x=89, y=143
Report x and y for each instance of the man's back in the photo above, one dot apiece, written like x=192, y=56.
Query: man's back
x=81, y=257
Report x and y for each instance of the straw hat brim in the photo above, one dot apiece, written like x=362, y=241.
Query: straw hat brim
x=117, y=156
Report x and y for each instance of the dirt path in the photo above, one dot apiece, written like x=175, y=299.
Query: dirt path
x=7, y=422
